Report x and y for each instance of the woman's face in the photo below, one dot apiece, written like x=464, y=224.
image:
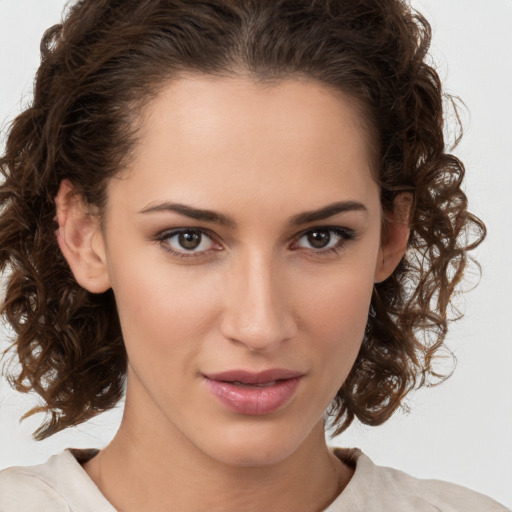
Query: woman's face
x=242, y=245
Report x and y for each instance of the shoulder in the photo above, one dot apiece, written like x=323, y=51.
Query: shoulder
x=22, y=490
x=434, y=494
x=58, y=485
x=383, y=489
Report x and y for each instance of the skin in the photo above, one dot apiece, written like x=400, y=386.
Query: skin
x=257, y=295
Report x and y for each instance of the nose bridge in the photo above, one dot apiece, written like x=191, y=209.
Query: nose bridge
x=256, y=313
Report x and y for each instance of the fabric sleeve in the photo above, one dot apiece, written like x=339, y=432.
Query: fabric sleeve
x=21, y=492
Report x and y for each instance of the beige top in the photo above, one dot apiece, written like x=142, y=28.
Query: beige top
x=62, y=485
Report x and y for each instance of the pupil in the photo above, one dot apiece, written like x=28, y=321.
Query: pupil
x=319, y=239
x=189, y=239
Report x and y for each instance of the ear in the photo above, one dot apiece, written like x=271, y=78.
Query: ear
x=80, y=240
x=395, y=237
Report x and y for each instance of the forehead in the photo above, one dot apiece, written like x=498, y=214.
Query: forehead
x=251, y=138
x=204, y=109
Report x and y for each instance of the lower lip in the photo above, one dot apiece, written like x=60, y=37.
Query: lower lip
x=253, y=400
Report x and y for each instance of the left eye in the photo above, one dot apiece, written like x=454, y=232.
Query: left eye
x=187, y=241
x=323, y=239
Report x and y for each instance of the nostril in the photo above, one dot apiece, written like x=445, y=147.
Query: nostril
x=256, y=334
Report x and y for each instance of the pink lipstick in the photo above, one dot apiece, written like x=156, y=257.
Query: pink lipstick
x=253, y=393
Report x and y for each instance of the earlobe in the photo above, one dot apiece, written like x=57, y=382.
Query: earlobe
x=80, y=240
x=396, y=237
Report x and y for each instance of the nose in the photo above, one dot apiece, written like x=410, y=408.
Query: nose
x=257, y=310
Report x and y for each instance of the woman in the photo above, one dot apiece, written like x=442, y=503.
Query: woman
x=243, y=213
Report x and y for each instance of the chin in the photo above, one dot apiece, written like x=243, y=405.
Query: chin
x=251, y=455
x=259, y=445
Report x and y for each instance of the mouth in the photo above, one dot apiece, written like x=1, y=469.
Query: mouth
x=260, y=385
x=253, y=393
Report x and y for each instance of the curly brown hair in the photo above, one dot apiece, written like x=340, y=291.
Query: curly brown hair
x=105, y=63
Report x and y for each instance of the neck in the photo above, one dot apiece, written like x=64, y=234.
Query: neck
x=163, y=472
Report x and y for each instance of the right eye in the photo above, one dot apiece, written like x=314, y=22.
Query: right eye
x=187, y=242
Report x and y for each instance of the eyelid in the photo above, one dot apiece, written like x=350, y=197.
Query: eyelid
x=345, y=234
x=165, y=235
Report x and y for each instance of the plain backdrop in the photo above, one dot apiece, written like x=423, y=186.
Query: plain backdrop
x=460, y=431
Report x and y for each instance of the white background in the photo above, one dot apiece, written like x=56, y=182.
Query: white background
x=460, y=431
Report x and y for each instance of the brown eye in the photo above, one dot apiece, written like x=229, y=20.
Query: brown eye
x=186, y=242
x=190, y=239
x=319, y=239
x=324, y=239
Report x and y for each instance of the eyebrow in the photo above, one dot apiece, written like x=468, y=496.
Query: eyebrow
x=224, y=220
x=328, y=211
x=193, y=213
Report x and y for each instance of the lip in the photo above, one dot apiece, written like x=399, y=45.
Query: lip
x=253, y=393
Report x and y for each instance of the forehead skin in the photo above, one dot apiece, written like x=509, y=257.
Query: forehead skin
x=215, y=127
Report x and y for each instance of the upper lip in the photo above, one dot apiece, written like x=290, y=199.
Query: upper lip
x=248, y=377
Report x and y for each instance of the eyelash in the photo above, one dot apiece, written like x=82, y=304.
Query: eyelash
x=164, y=237
x=345, y=235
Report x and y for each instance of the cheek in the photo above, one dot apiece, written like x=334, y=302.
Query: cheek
x=164, y=311
x=339, y=302
x=338, y=313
